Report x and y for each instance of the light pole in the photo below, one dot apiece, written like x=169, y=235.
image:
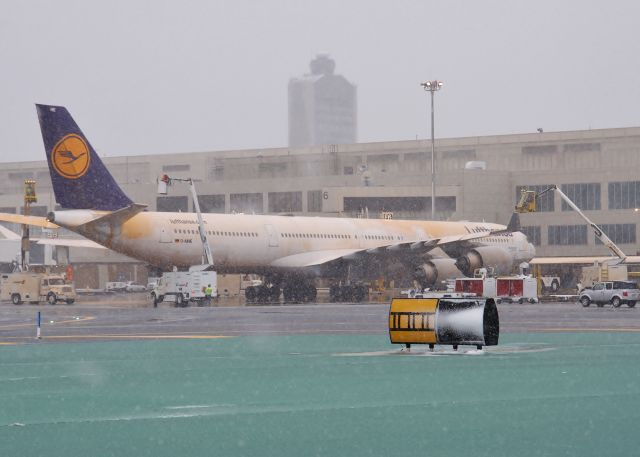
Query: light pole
x=432, y=86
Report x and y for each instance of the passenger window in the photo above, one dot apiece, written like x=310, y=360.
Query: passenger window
x=609, y=286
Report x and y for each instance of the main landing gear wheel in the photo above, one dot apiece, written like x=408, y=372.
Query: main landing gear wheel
x=263, y=293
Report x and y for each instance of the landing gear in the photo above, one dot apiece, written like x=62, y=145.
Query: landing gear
x=268, y=292
x=347, y=293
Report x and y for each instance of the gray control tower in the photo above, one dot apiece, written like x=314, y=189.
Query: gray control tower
x=322, y=106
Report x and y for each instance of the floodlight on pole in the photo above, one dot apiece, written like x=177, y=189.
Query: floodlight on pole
x=432, y=86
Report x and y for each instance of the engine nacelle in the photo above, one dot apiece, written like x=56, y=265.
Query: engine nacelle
x=436, y=270
x=488, y=256
x=455, y=321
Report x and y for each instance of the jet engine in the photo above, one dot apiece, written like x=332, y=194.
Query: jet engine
x=488, y=256
x=454, y=321
x=436, y=270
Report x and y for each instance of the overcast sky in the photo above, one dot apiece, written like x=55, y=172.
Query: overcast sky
x=147, y=76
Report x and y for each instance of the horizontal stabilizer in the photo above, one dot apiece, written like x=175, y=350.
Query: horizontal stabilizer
x=28, y=220
x=8, y=234
x=69, y=242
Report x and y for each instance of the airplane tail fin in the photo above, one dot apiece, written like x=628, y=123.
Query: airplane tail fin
x=80, y=179
x=514, y=223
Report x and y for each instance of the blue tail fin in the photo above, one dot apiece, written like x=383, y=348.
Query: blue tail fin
x=80, y=179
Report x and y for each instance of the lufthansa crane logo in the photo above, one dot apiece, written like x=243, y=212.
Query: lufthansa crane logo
x=70, y=157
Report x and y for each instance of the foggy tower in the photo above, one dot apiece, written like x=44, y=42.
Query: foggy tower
x=322, y=106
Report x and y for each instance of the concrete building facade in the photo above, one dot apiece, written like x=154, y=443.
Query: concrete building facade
x=478, y=178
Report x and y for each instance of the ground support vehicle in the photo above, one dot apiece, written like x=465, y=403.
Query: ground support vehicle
x=615, y=292
x=508, y=288
x=36, y=288
x=116, y=286
x=603, y=272
x=134, y=287
x=182, y=287
x=550, y=283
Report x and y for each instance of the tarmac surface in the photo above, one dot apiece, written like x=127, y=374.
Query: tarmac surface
x=133, y=317
x=120, y=378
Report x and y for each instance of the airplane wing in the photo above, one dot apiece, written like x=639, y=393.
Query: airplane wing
x=28, y=220
x=312, y=258
x=8, y=234
x=586, y=260
x=415, y=248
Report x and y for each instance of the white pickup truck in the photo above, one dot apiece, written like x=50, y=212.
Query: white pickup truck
x=614, y=292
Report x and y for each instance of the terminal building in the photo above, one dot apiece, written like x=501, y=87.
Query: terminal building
x=478, y=178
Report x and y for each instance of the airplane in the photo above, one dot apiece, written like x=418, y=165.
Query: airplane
x=10, y=243
x=290, y=251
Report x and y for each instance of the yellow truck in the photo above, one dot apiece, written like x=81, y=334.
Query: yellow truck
x=36, y=288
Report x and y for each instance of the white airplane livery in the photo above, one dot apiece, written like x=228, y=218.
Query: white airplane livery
x=289, y=250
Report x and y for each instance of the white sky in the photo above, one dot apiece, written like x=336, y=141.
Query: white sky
x=146, y=76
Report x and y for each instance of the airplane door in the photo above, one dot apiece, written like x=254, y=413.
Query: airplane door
x=272, y=235
x=165, y=235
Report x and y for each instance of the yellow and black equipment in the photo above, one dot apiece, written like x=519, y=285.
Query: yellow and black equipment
x=29, y=197
x=454, y=321
x=527, y=202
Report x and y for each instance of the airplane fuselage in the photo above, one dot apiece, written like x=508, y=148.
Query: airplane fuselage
x=258, y=243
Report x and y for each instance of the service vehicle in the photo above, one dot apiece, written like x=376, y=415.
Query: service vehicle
x=182, y=287
x=36, y=288
x=614, y=292
x=116, y=286
x=134, y=287
x=550, y=283
x=151, y=283
x=602, y=272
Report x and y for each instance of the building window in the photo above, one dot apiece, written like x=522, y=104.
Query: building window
x=172, y=204
x=272, y=169
x=543, y=149
x=20, y=175
x=619, y=233
x=216, y=172
x=285, y=202
x=545, y=203
x=246, y=203
x=533, y=233
x=581, y=147
x=624, y=195
x=184, y=167
x=586, y=196
x=347, y=170
x=567, y=235
x=314, y=201
x=211, y=203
